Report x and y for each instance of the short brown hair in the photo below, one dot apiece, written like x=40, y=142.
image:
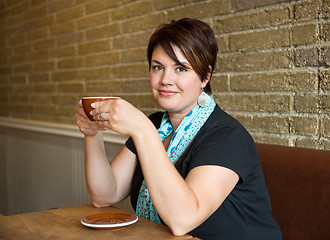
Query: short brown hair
x=194, y=38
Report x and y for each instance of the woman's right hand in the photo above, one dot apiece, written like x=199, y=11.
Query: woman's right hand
x=86, y=126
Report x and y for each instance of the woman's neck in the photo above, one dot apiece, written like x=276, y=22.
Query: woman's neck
x=177, y=117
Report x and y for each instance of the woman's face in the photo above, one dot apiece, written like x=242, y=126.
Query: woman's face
x=175, y=87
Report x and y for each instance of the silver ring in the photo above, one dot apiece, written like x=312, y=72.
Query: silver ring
x=102, y=115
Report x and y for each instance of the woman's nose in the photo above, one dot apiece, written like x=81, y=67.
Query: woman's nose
x=167, y=78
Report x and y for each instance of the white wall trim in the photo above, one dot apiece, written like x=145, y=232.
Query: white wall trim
x=56, y=129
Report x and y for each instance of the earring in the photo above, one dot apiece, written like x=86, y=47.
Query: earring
x=203, y=99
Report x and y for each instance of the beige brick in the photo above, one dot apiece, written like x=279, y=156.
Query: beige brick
x=75, y=63
x=108, y=30
x=37, y=34
x=171, y=3
x=103, y=59
x=141, y=101
x=44, y=44
x=18, y=8
x=109, y=87
x=324, y=56
x=37, y=2
x=65, y=110
x=325, y=9
x=313, y=143
x=262, y=18
x=275, y=81
x=44, y=21
x=145, y=22
x=254, y=102
x=307, y=57
x=133, y=40
x=93, y=20
x=95, y=74
x=271, y=139
x=131, y=70
x=22, y=108
x=19, y=78
x=134, y=55
x=58, y=5
x=256, y=60
x=38, y=77
x=22, y=68
x=265, y=124
x=131, y=86
x=238, y=5
x=66, y=51
x=40, y=98
x=310, y=103
x=132, y=10
x=64, y=76
x=21, y=49
x=44, y=88
x=68, y=38
x=95, y=6
x=64, y=99
x=325, y=126
x=200, y=10
x=71, y=87
x=44, y=66
x=22, y=88
x=304, y=34
x=260, y=40
x=47, y=112
x=219, y=83
x=5, y=70
x=70, y=14
x=92, y=47
x=6, y=89
x=66, y=27
x=223, y=43
x=307, y=10
x=305, y=126
x=35, y=12
x=112, y=4
x=38, y=55
x=20, y=99
x=18, y=39
x=324, y=79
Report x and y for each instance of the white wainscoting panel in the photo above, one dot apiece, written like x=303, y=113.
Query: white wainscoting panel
x=41, y=170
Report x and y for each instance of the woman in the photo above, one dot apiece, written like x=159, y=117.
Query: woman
x=192, y=167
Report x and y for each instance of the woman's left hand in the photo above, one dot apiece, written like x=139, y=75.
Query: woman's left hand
x=120, y=116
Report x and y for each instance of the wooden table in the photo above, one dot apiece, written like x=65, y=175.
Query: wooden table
x=65, y=223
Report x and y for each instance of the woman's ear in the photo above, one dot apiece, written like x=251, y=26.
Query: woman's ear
x=208, y=77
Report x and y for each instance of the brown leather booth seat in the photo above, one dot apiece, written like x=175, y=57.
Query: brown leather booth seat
x=298, y=181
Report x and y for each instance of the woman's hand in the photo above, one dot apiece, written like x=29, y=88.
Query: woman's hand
x=86, y=126
x=120, y=116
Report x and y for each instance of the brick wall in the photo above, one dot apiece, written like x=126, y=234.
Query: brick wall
x=272, y=72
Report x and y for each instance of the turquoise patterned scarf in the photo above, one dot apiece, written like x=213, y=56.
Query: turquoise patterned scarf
x=186, y=131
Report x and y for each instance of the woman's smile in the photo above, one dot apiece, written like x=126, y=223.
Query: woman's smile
x=167, y=93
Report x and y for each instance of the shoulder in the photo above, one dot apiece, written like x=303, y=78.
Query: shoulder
x=156, y=118
x=224, y=141
x=223, y=124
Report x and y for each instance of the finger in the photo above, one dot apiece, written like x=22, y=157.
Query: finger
x=103, y=116
x=103, y=106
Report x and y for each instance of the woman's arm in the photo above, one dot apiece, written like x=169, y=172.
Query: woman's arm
x=107, y=183
x=183, y=204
